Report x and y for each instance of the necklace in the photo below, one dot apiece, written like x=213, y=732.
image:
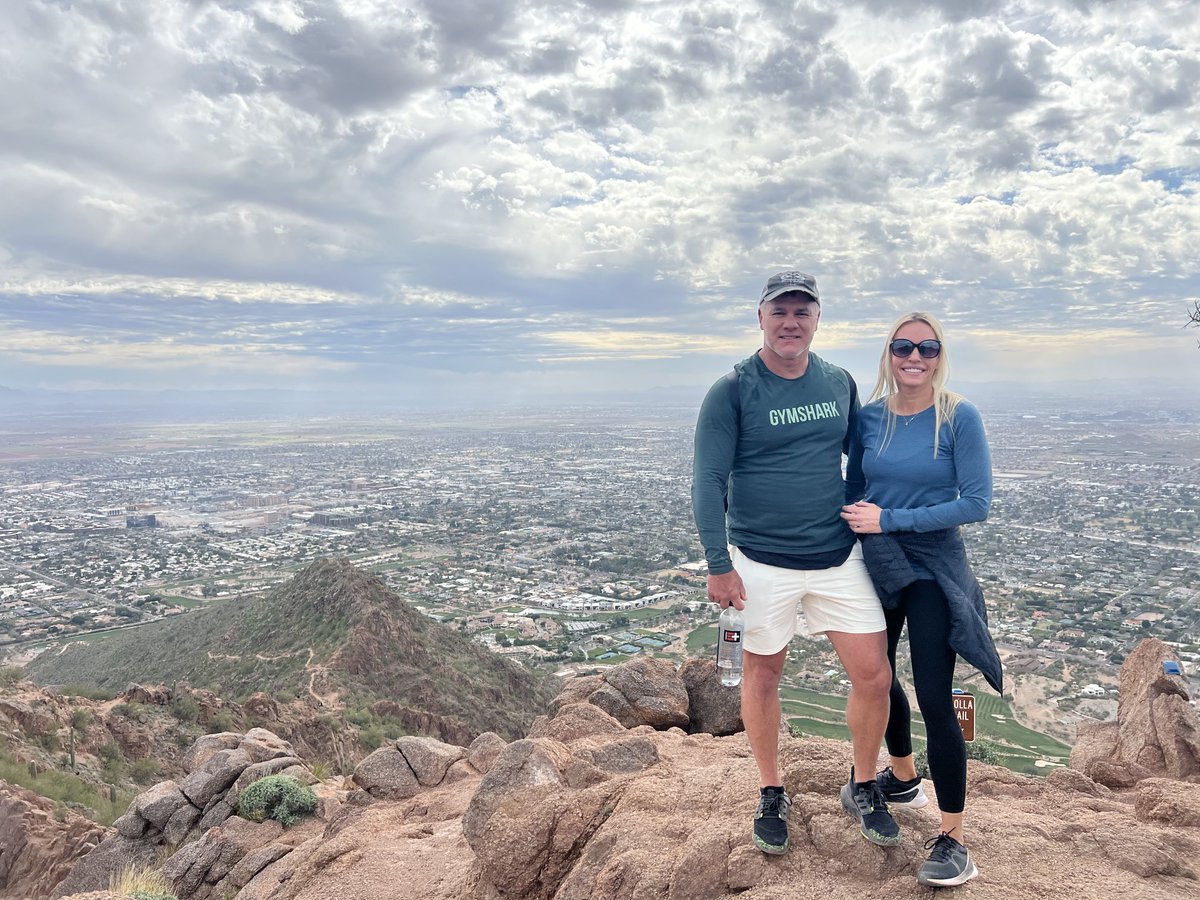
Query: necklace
x=908, y=421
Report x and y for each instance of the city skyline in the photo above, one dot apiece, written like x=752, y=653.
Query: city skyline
x=512, y=201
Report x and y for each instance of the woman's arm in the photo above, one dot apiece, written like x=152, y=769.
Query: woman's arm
x=973, y=470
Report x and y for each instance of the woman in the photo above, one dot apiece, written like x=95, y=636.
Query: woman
x=927, y=470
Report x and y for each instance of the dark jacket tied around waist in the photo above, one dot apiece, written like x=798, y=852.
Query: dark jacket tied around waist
x=941, y=552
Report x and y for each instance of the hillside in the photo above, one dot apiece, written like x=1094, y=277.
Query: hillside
x=334, y=638
x=621, y=792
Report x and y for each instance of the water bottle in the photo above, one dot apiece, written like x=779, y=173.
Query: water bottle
x=729, y=647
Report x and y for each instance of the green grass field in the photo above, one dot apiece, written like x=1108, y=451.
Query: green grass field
x=811, y=712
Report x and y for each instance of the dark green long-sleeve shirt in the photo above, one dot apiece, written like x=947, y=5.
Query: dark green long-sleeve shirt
x=780, y=455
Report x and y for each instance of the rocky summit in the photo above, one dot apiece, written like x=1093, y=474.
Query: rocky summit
x=610, y=796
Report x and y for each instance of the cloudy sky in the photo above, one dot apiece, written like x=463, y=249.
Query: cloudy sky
x=513, y=199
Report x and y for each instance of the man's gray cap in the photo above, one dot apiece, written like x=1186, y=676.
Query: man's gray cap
x=788, y=281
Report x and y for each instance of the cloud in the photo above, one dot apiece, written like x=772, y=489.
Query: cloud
x=497, y=187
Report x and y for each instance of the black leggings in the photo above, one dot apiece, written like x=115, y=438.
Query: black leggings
x=924, y=605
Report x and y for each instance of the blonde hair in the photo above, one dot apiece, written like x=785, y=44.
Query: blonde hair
x=945, y=402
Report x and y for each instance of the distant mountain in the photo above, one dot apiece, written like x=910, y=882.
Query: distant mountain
x=334, y=638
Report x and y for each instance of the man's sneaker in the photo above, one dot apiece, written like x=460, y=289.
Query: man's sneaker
x=901, y=793
x=949, y=863
x=770, y=820
x=866, y=804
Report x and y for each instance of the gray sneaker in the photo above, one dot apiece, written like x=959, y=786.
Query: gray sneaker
x=865, y=803
x=901, y=793
x=949, y=863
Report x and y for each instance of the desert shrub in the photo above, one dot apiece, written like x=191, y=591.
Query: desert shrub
x=130, y=710
x=222, y=721
x=10, y=675
x=321, y=770
x=984, y=750
x=371, y=737
x=278, y=797
x=185, y=708
x=143, y=771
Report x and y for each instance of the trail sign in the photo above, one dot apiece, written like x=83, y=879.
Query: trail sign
x=964, y=709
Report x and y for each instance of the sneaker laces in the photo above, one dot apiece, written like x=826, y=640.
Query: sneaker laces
x=774, y=803
x=942, y=847
x=869, y=798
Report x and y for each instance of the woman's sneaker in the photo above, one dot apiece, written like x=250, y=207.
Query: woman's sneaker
x=770, y=820
x=901, y=793
x=949, y=863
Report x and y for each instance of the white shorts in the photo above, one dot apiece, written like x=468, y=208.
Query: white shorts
x=838, y=599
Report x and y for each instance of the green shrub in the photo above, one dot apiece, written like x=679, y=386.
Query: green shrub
x=143, y=771
x=10, y=675
x=222, y=721
x=372, y=737
x=185, y=708
x=278, y=797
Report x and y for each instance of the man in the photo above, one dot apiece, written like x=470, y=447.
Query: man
x=767, y=493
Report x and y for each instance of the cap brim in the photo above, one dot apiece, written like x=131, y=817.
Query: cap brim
x=790, y=289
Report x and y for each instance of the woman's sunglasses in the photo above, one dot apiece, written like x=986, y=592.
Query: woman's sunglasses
x=903, y=347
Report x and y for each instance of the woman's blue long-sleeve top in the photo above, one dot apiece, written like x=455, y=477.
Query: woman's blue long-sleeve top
x=923, y=501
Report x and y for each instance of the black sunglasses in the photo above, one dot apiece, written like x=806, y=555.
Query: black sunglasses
x=903, y=347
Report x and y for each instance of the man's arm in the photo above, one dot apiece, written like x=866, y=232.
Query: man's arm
x=714, y=450
x=856, y=482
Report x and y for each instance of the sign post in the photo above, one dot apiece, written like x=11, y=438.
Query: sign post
x=964, y=709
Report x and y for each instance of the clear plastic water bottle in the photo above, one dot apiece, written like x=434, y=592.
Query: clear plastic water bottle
x=729, y=647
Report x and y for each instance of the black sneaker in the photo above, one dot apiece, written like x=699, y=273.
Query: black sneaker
x=770, y=820
x=901, y=793
x=949, y=863
x=865, y=803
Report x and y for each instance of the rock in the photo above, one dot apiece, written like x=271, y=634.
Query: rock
x=713, y=707
x=631, y=754
x=1068, y=779
x=1134, y=850
x=262, y=745
x=484, y=749
x=159, y=803
x=212, y=857
x=1171, y=802
x=525, y=825
x=182, y=821
x=36, y=849
x=1157, y=732
x=575, y=720
x=386, y=774
x=153, y=695
x=33, y=722
x=113, y=855
x=644, y=691
x=215, y=815
x=206, y=746
x=131, y=825
x=215, y=776
x=428, y=758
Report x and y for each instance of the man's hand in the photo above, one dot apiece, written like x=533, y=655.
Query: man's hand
x=727, y=589
x=863, y=517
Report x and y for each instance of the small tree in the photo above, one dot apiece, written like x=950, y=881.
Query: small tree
x=1193, y=315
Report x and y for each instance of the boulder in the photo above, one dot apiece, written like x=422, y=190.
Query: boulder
x=1171, y=802
x=484, y=749
x=386, y=774
x=1157, y=732
x=215, y=776
x=644, y=691
x=36, y=849
x=428, y=758
x=208, y=745
x=575, y=720
x=114, y=854
x=150, y=695
x=262, y=745
x=713, y=707
x=159, y=803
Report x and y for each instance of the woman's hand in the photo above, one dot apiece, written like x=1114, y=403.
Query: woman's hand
x=862, y=517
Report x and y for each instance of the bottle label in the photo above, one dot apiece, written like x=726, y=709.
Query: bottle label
x=732, y=636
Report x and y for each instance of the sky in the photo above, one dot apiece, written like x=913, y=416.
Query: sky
x=506, y=201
